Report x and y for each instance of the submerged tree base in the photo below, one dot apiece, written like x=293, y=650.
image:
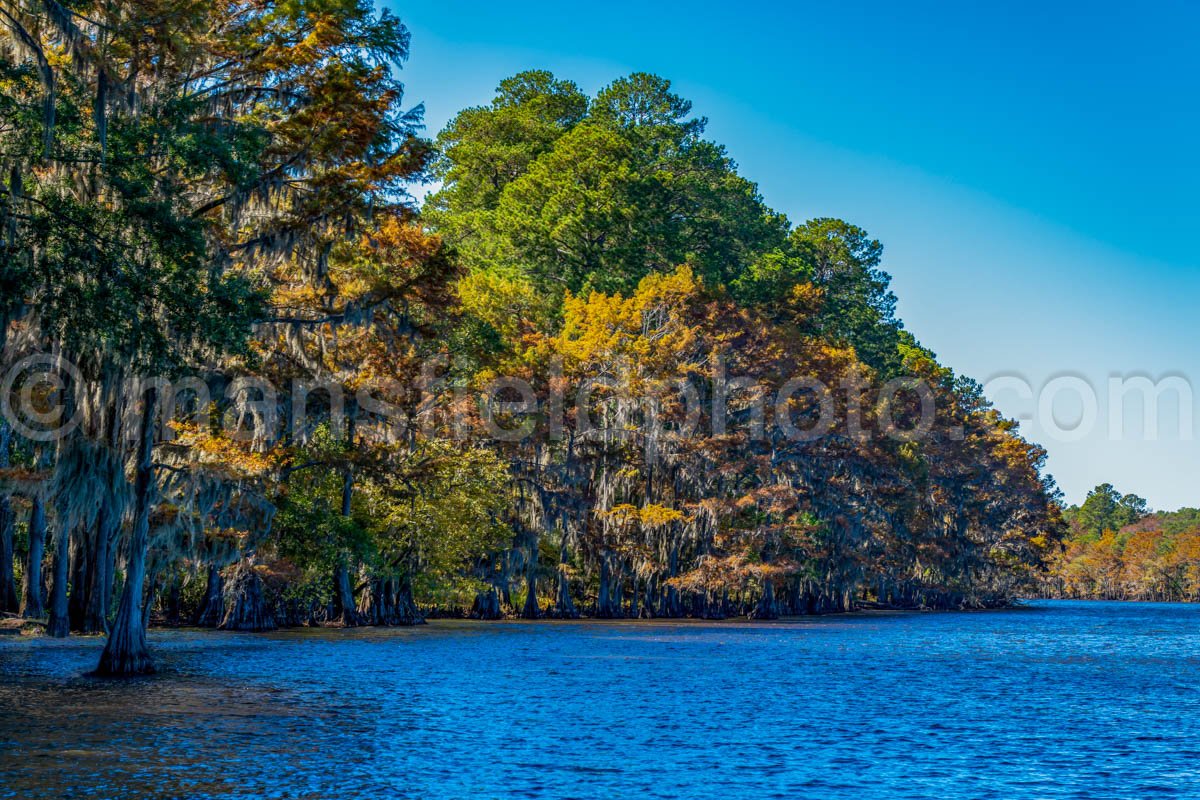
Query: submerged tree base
x=486, y=606
x=388, y=603
x=125, y=665
x=248, y=607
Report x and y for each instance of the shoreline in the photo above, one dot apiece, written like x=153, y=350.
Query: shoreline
x=17, y=628
x=34, y=629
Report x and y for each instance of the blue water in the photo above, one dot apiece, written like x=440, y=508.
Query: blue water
x=1058, y=700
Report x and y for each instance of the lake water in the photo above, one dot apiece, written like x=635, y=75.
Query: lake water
x=1056, y=700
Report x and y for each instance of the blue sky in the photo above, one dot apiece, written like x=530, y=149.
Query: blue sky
x=1032, y=173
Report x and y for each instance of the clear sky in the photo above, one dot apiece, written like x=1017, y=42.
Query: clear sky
x=1032, y=172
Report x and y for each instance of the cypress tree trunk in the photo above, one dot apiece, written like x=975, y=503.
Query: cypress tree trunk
x=99, y=586
x=152, y=587
x=212, y=607
x=604, y=603
x=389, y=601
x=125, y=652
x=33, y=607
x=59, y=623
x=110, y=572
x=564, y=606
x=531, y=610
x=343, y=596
x=618, y=592
x=343, y=591
x=647, y=611
x=766, y=608
x=91, y=584
x=671, y=606
x=406, y=607
x=172, y=610
x=487, y=605
x=8, y=584
x=248, y=609
x=78, y=602
x=375, y=606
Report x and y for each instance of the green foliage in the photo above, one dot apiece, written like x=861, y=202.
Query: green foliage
x=429, y=510
x=772, y=278
x=1176, y=522
x=645, y=103
x=443, y=518
x=859, y=307
x=311, y=529
x=582, y=197
x=1105, y=509
x=484, y=149
x=582, y=201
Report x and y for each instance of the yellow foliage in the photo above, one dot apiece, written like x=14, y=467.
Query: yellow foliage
x=648, y=332
x=648, y=516
x=510, y=304
x=221, y=452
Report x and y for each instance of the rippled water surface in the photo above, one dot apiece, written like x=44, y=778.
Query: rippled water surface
x=1058, y=700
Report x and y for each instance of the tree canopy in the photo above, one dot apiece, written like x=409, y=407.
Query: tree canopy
x=726, y=414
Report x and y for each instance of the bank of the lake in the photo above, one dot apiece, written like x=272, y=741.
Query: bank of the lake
x=1057, y=699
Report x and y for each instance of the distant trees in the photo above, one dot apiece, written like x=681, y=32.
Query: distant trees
x=1105, y=509
x=1118, y=550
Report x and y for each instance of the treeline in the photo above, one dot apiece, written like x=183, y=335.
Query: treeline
x=1117, y=550
x=594, y=374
